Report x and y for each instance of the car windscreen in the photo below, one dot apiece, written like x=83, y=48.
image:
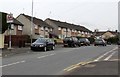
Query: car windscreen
x=82, y=39
x=40, y=41
x=68, y=38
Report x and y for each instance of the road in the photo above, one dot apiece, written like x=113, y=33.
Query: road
x=54, y=62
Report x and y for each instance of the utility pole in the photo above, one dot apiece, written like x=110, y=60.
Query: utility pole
x=32, y=22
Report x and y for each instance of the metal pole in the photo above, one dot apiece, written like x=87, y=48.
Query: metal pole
x=10, y=36
x=32, y=22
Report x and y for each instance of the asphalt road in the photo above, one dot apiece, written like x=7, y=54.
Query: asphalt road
x=54, y=62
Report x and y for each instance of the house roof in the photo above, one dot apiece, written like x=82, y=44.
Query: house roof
x=68, y=25
x=102, y=32
x=37, y=21
x=16, y=22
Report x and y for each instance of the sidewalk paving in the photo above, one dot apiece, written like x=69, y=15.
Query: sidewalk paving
x=17, y=50
x=13, y=51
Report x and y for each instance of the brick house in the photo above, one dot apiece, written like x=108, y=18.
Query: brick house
x=16, y=28
x=64, y=29
x=39, y=28
x=106, y=34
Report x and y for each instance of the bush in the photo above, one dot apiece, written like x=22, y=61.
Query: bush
x=113, y=40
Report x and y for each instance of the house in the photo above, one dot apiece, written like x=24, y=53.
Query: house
x=64, y=29
x=37, y=28
x=16, y=28
x=106, y=34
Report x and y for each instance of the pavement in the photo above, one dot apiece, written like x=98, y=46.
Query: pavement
x=16, y=50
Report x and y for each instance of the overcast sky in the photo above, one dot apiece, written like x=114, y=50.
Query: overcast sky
x=93, y=14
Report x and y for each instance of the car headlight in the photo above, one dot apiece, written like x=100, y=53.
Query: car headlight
x=41, y=45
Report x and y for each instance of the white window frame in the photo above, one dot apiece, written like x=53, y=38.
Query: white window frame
x=59, y=28
x=51, y=29
x=42, y=28
x=12, y=26
x=36, y=26
x=20, y=27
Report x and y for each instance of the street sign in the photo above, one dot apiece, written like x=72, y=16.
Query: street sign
x=9, y=18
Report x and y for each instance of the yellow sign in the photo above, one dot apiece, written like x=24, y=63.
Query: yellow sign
x=1, y=40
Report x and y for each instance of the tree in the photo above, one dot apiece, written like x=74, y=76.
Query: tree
x=3, y=22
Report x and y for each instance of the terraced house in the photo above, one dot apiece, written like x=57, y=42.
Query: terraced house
x=39, y=27
x=64, y=29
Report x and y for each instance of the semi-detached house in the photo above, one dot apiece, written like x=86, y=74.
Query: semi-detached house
x=39, y=27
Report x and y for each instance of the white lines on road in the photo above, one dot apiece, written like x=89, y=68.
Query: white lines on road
x=13, y=63
x=110, y=56
x=105, y=54
x=46, y=56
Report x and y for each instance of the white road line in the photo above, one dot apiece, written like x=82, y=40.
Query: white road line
x=46, y=56
x=105, y=54
x=12, y=63
x=109, y=56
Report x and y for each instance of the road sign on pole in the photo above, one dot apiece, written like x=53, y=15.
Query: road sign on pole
x=10, y=20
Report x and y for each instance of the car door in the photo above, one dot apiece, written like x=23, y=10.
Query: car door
x=49, y=43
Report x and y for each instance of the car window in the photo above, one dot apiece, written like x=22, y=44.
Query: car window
x=40, y=41
x=68, y=38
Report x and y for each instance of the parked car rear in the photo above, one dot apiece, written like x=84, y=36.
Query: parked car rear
x=84, y=41
x=71, y=42
x=43, y=44
x=100, y=42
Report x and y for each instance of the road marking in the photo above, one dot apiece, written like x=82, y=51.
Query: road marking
x=72, y=67
x=109, y=56
x=12, y=64
x=105, y=54
x=46, y=56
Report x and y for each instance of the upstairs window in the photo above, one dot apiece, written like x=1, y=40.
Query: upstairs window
x=59, y=28
x=36, y=26
x=19, y=27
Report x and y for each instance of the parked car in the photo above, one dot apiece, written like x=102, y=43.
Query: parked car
x=100, y=42
x=71, y=42
x=43, y=44
x=84, y=41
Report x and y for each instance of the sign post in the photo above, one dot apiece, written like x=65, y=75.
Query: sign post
x=9, y=21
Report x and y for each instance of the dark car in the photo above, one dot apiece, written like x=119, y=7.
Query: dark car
x=100, y=42
x=71, y=42
x=43, y=44
x=84, y=41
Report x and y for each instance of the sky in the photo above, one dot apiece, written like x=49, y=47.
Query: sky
x=92, y=14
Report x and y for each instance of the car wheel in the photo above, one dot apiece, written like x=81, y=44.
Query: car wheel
x=45, y=49
x=53, y=47
x=79, y=45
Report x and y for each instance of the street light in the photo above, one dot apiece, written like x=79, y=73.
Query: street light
x=32, y=22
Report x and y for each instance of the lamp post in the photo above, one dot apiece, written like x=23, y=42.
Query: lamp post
x=32, y=22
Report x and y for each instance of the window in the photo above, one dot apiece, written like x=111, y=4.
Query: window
x=50, y=29
x=59, y=28
x=42, y=28
x=36, y=26
x=68, y=30
x=64, y=30
x=72, y=30
x=19, y=27
x=46, y=28
x=12, y=26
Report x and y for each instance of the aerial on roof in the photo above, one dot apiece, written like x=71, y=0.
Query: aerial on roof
x=37, y=21
x=68, y=25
